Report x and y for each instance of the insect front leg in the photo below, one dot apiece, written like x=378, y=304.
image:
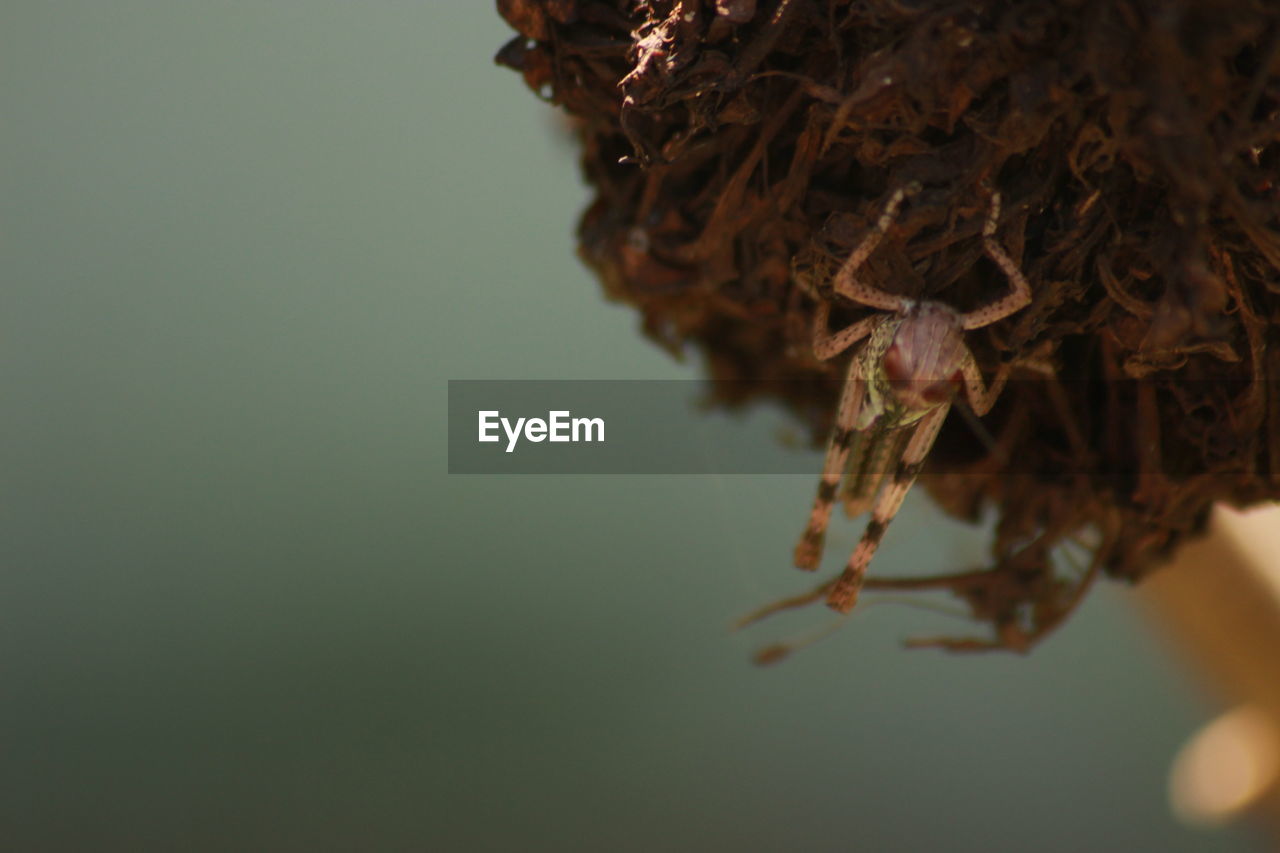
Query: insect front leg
x=1018, y=298
x=809, y=549
x=844, y=595
x=828, y=344
x=982, y=396
x=846, y=283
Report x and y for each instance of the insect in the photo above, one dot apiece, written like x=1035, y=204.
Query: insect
x=897, y=392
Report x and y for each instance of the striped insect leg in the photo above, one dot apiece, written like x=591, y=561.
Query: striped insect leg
x=1016, y=299
x=868, y=468
x=855, y=482
x=846, y=282
x=844, y=595
x=809, y=549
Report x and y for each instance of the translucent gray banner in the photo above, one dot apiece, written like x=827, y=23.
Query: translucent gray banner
x=605, y=427
x=668, y=427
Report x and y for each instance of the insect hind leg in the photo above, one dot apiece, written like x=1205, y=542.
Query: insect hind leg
x=844, y=594
x=808, y=550
x=868, y=468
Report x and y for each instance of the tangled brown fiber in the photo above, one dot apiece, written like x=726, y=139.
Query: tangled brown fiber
x=739, y=148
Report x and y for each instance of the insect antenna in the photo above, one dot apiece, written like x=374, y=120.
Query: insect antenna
x=775, y=652
x=791, y=603
x=983, y=434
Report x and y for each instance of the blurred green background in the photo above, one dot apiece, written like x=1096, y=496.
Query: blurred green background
x=244, y=607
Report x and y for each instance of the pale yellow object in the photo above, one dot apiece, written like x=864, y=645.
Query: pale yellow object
x=1220, y=602
x=1225, y=768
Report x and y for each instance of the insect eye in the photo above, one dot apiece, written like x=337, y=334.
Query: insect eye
x=894, y=370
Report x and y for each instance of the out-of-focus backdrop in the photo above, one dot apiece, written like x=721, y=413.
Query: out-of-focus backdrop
x=243, y=606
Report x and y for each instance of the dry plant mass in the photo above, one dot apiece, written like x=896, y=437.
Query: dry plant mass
x=1093, y=184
